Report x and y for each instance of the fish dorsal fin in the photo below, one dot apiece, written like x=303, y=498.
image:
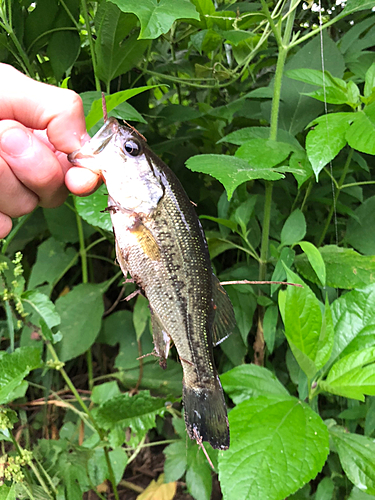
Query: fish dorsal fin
x=224, y=320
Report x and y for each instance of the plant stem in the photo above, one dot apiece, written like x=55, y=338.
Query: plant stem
x=82, y=249
x=85, y=13
x=10, y=324
x=337, y=193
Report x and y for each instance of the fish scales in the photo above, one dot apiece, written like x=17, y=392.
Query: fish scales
x=160, y=242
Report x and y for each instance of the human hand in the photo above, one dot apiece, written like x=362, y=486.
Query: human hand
x=39, y=125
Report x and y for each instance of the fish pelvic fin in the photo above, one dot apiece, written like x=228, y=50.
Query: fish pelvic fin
x=206, y=415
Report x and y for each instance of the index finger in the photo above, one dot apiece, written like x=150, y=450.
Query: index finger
x=41, y=106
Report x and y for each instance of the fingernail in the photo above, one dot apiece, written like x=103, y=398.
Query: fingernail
x=15, y=142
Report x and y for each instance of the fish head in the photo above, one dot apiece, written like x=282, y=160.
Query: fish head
x=120, y=156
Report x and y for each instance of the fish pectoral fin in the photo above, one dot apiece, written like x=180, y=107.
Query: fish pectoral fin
x=224, y=320
x=146, y=241
x=162, y=341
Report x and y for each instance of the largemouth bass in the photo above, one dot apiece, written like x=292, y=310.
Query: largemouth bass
x=161, y=244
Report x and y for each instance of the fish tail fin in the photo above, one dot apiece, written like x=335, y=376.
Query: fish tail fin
x=206, y=414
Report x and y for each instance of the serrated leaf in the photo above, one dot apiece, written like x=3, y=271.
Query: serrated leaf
x=14, y=367
x=40, y=306
x=230, y=171
x=327, y=138
x=264, y=153
x=157, y=17
x=246, y=381
x=315, y=259
x=91, y=208
x=356, y=455
x=81, y=313
x=345, y=267
x=271, y=438
x=294, y=229
x=353, y=376
x=353, y=318
x=138, y=412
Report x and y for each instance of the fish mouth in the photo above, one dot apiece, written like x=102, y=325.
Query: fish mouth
x=83, y=157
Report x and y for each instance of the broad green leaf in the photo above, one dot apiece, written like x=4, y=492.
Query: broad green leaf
x=246, y=134
x=304, y=327
x=157, y=17
x=355, y=5
x=316, y=260
x=14, y=367
x=325, y=489
x=7, y=492
x=230, y=171
x=141, y=315
x=198, y=474
x=40, y=306
x=269, y=326
x=370, y=81
x=62, y=223
x=138, y=412
x=294, y=229
x=224, y=222
x=357, y=233
x=116, y=51
x=353, y=376
x=302, y=169
x=113, y=100
x=271, y=438
x=354, y=319
x=101, y=393
x=244, y=305
x=357, y=494
x=264, y=153
x=356, y=455
x=90, y=208
x=331, y=95
x=247, y=381
x=344, y=266
x=98, y=467
x=316, y=77
x=63, y=49
x=175, y=461
x=81, y=313
x=327, y=138
x=52, y=262
x=361, y=135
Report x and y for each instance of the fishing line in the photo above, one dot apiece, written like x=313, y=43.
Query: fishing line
x=326, y=114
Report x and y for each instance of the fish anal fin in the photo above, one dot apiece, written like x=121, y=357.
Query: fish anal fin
x=146, y=241
x=162, y=341
x=224, y=321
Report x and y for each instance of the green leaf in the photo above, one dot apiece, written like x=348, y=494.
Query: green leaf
x=113, y=100
x=301, y=166
x=305, y=329
x=247, y=381
x=316, y=77
x=327, y=138
x=361, y=135
x=345, y=267
x=230, y=171
x=264, y=153
x=138, y=412
x=141, y=315
x=40, y=306
x=246, y=134
x=357, y=233
x=271, y=438
x=356, y=455
x=356, y=5
x=294, y=229
x=14, y=368
x=198, y=474
x=224, y=222
x=63, y=49
x=369, y=81
x=157, y=17
x=101, y=393
x=353, y=376
x=325, y=489
x=175, y=461
x=353, y=318
x=52, y=262
x=90, y=208
x=81, y=313
x=269, y=326
x=117, y=48
x=316, y=260
x=286, y=259
x=7, y=492
x=62, y=223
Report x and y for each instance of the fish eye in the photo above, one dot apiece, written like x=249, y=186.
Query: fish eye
x=132, y=147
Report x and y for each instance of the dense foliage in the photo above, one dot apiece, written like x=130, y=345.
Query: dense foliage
x=275, y=101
